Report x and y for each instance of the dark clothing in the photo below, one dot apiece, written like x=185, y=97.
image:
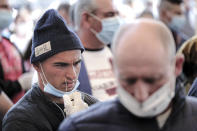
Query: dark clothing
x=113, y=116
x=178, y=37
x=1, y=116
x=34, y=112
x=84, y=80
x=8, y=86
x=193, y=89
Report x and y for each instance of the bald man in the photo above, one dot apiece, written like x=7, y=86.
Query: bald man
x=145, y=67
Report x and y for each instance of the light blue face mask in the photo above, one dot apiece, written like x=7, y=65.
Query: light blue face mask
x=109, y=27
x=177, y=22
x=48, y=88
x=5, y=19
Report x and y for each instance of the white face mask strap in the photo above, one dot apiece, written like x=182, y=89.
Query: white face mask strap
x=66, y=85
x=96, y=17
x=41, y=79
x=43, y=74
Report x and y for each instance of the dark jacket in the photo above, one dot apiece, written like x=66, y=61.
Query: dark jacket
x=84, y=80
x=112, y=116
x=34, y=112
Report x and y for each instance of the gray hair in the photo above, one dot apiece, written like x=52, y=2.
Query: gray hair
x=158, y=28
x=82, y=6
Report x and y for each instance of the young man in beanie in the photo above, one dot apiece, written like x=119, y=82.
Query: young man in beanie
x=56, y=56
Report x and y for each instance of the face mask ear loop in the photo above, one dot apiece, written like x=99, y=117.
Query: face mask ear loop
x=66, y=85
x=96, y=17
x=43, y=74
x=42, y=79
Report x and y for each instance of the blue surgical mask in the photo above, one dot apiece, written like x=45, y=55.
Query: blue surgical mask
x=48, y=88
x=109, y=27
x=5, y=19
x=177, y=22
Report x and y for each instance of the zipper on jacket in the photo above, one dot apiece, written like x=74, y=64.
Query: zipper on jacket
x=60, y=110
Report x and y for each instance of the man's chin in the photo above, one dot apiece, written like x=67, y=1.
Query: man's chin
x=68, y=88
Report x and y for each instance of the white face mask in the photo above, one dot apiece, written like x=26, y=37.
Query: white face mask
x=154, y=105
x=109, y=27
x=48, y=88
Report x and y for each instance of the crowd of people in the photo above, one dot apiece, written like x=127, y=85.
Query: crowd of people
x=87, y=66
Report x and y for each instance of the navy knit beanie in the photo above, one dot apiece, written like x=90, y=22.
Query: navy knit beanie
x=52, y=36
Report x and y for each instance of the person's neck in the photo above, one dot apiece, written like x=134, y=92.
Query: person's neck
x=166, y=110
x=52, y=98
x=58, y=100
x=90, y=41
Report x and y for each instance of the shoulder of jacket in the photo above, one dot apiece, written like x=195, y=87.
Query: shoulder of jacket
x=98, y=110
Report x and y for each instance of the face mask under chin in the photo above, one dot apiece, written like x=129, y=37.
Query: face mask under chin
x=153, y=106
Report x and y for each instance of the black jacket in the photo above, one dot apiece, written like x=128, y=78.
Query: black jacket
x=34, y=112
x=112, y=116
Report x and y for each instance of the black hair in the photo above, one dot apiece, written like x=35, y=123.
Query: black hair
x=175, y=1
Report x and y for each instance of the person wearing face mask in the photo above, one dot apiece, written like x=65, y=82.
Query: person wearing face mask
x=11, y=63
x=171, y=12
x=146, y=67
x=56, y=56
x=22, y=29
x=96, y=21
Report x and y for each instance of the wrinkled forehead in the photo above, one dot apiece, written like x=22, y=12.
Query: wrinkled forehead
x=142, y=60
x=141, y=52
x=70, y=56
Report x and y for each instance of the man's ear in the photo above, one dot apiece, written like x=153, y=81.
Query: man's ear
x=164, y=16
x=85, y=22
x=179, y=64
x=37, y=67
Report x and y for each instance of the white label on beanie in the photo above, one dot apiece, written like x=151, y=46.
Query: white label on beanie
x=41, y=49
